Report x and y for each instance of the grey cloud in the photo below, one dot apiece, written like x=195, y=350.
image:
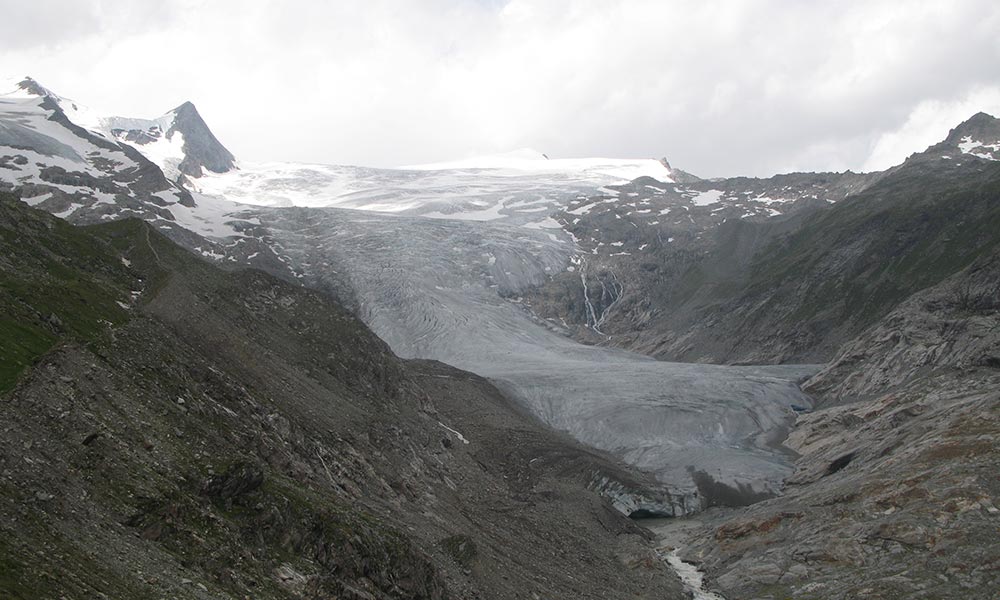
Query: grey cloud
x=719, y=88
x=31, y=24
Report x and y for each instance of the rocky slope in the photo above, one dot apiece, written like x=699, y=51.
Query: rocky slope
x=722, y=284
x=173, y=430
x=895, y=494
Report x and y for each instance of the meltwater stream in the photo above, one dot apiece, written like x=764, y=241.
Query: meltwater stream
x=669, y=534
x=448, y=290
x=690, y=577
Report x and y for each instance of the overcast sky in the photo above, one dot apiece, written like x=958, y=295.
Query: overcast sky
x=717, y=87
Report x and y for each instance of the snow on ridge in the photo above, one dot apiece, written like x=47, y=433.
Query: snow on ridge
x=78, y=114
x=210, y=217
x=513, y=159
x=978, y=149
x=527, y=160
x=967, y=145
x=10, y=88
x=56, y=146
x=82, y=115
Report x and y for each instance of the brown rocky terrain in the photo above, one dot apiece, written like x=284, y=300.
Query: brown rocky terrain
x=895, y=493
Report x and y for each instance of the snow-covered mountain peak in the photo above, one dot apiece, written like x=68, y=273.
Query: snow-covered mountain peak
x=28, y=89
x=179, y=141
x=53, y=153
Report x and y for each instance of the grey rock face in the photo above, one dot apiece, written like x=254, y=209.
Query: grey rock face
x=201, y=148
x=950, y=327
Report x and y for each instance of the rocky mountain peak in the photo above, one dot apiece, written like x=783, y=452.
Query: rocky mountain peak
x=179, y=142
x=187, y=106
x=978, y=136
x=33, y=87
x=980, y=126
x=678, y=175
x=202, y=150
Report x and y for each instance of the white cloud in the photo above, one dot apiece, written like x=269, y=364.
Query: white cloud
x=717, y=87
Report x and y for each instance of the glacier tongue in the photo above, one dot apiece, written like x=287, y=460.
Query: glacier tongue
x=447, y=290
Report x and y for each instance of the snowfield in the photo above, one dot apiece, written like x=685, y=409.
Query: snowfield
x=505, y=187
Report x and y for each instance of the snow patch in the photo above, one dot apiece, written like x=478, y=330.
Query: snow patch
x=211, y=217
x=978, y=149
x=458, y=435
x=487, y=214
x=72, y=209
x=547, y=223
x=581, y=210
x=36, y=200
x=706, y=198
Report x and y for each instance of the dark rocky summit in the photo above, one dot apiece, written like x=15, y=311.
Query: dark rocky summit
x=201, y=148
